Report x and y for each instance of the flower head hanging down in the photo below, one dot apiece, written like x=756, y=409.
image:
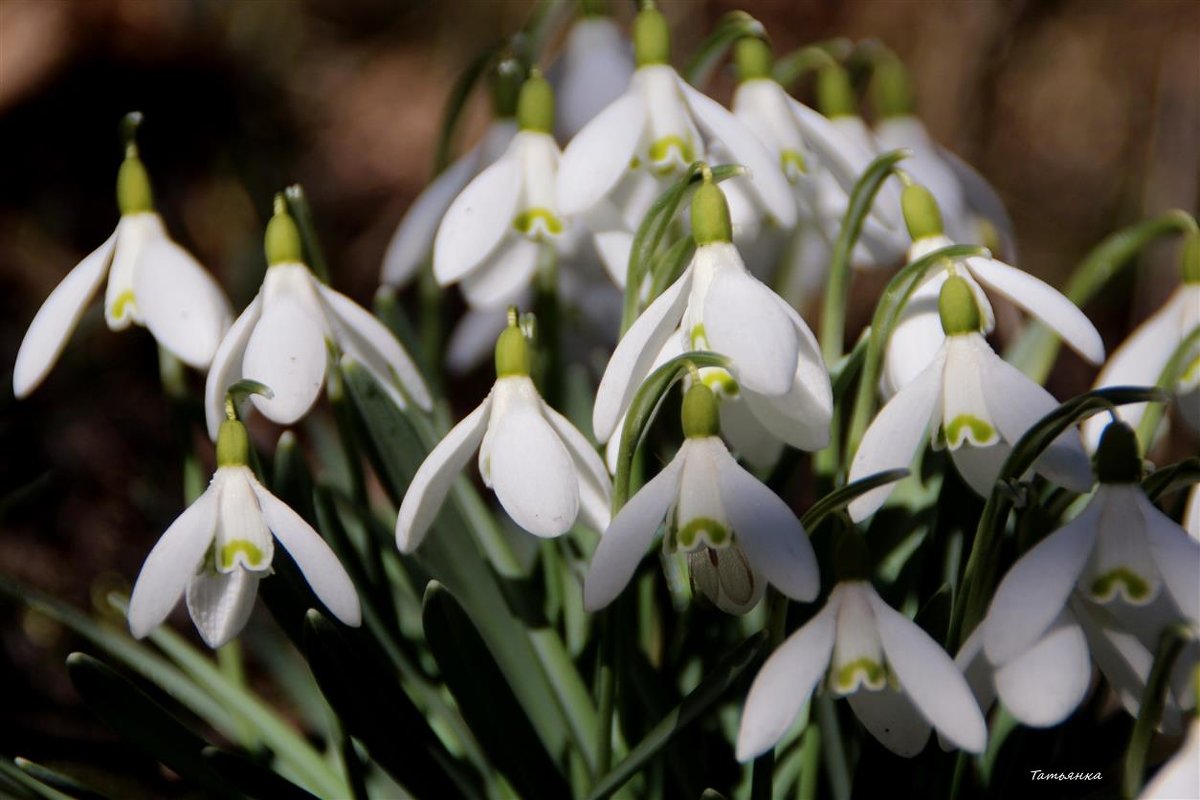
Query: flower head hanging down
x=899, y=682
x=918, y=335
x=280, y=340
x=973, y=403
x=544, y=472
x=152, y=282
x=654, y=132
x=222, y=546
x=1141, y=359
x=734, y=529
x=717, y=304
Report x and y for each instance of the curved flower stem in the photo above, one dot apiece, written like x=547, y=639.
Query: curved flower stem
x=606, y=690
x=549, y=327
x=1171, y=372
x=840, y=777
x=811, y=753
x=183, y=413
x=1170, y=644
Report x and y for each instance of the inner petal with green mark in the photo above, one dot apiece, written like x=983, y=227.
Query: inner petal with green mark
x=1124, y=582
x=968, y=428
x=243, y=552
x=793, y=165
x=538, y=223
x=860, y=673
x=124, y=305
x=669, y=154
x=720, y=381
x=702, y=531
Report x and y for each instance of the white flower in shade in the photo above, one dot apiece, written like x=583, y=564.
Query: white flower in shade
x=1179, y=777
x=718, y=305
x=974, y=404
x=652, y=133
x=734, y=529
x=222, y=546
x=544, y=472
x=282, y=339
x=1191, y=513
x=152, y=282
x=918, y=335
x=493, y=234
x=1141, y=359
x=898, y=681
x=593, y=71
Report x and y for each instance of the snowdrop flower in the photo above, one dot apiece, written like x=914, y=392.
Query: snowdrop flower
x=734, y=530
x=655, y=131
x=495, y=231
x=222, y=546
x=544, y=472
x=717, y=304
x=918, y=336
x=594, y=70
x=899, y=682
x=412, y=242
x=152, y=282
x=282, y=339
x=973, y=403
x=1141, y=359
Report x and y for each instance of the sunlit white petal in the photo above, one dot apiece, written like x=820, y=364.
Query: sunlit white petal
x=476, y=221
x=531, y=471
x=226, y=367
x=501, y=279
x=1043, y=685
x=744, y=320
x=600, y=154
x=220, y=603
x=180, y=302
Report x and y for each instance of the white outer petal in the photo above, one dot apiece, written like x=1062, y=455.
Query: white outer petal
x=504, y=274
x=600, y=154
x=220, y=604
x=1179, y=777
x=743, y=319
x=226, y=367
x=595, y=488
x=172, y=563
x=477, y=220
x=1043, y=685
x=1177, y=556
x=286, y=352
x=436, y=475
x=929, y=677
x=56, y=319
x=786, y=682
x=321, y=568
x=629, y=535
x=594, y=70
x=180, y=302
x=891, y=717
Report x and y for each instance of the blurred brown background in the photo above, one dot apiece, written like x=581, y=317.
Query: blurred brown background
x=1084, y=114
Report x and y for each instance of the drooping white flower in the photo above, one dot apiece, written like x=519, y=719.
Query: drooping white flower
x=152, y=282
x=898, y=681
x=593, y=71
x=625, y=156
x=971, y=402
x=1143, y=356
x=734, y=529
x=282, y=339
x=918, y=335
x=544, y=472
x=222, y=546
x=718, y=305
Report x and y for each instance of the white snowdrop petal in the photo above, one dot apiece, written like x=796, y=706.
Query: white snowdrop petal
x=172, y=563
x=743, y=320
x=632, y=359
x=321, y=568
x=624, y=543
x=894, y=435
x=56, y=319
x=613, y=247
x=785, y=683
x=436, y=475
x=1176, y=554
x=747, y=436
x=1179, y=777
x=1121, y=657
x=286, y=352
x=929, y=678
x=476, y=221
x=1191, y=514
x=504, y=275
x=773, y=539
x=1043, y=685
x=980, y=466
x=532, y=473
x=1030, y=597
x=180, y=302
x=226, y=367
x=220, y=604
x=600, y=154
x=361, y=335
x=917, y=336
x=595, y=488
x=891, y=717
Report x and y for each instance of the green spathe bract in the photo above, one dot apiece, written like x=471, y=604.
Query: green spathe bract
x=233, y=444
x=957, y=307
x=922, y=216
x=710, y=215
x=700, y=414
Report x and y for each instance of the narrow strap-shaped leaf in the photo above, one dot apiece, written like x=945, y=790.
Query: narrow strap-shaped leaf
x=19, y=785
x=670, y=264
x=1172, y=478
x=733, y=26
x=252, y=778
x=69, y=786
x=1175, y=368
x=838, y=499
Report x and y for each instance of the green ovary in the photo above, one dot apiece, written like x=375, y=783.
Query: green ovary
x=527, y=220
x=1133, y=587
x=846, y=679
x=253, y=555
x=702, y=529
x=660, y=152
x=968, y=427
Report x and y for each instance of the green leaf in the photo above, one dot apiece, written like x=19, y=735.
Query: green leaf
x=698, y=701
x=19, y=785
x=69, y=786
x=733, y=26
x=460, y=93
x=254, y=779
x=838, y=499
x=670, y=264
x=1172, y=478
x=485, y=700
x=1034, y=351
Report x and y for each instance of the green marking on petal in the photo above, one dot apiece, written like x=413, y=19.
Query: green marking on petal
x=970, y=428
x=121, y=307
x=252, y=555
x=697, y=337
x=720, y=382
x=859, y=672
x=660, y=153
x=1132, y=587
x=702, y=530
x=1190, y=376
x=538, y=222
x=793, y=164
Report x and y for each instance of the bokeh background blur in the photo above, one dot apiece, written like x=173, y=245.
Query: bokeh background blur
x=1084, y=114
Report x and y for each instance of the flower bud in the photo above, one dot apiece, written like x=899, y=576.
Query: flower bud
x=1190, y=258
x=710, y=214
x=512, y=353
x=835, y=95
x=133, y=184
x=891, y=89
x=651, y=37
x=535, y=105
x=233, y=444
x=958, y=309
x=752, y=57
x=701, y=417
x=1117, y=457
x=921, y=212
x=282, y=240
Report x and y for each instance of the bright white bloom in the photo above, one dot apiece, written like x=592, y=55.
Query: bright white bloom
x=282, y=340
x=718, y=305
x=927, y=167
x=734, y=529
x=970, y=401
x=898, y=680
x=593, y=71
x=544, y=472
x=1179, y=777
x=918, y=334
x=1141, y=359
x=221, y=547
x=412, y=242
x=152, y=282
